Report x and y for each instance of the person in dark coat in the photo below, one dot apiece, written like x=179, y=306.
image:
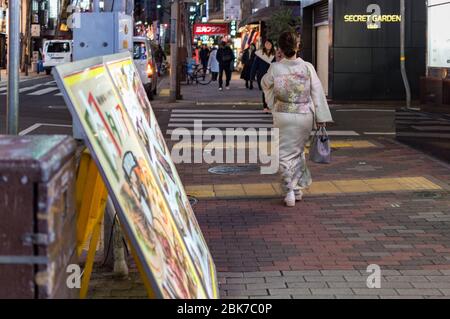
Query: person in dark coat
x=160, y=57
x=263, y=59
x=247, y=60
x=204, y=57
x=225, y=57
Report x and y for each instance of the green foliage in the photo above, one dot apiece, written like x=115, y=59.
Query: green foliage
x=281, y=21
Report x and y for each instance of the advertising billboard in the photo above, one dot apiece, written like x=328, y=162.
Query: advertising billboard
x=106, y=97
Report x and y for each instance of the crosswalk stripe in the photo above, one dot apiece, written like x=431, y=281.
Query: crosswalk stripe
x=221, y=116
x=190, y=120
x=264, y=132
x=431, y=128
x=44, y=91
x=379, y=133
x=58, y=94
x=221, y=125
x=215, y=111
x=30, y=88
x=258, y=123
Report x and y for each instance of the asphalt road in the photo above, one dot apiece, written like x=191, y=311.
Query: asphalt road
x=43, y=111
x=39, y=103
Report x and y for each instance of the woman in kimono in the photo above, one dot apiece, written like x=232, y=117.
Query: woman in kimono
x=298, y=102
x=263, y=59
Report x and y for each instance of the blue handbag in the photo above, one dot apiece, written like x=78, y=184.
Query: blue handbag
x=320, y=150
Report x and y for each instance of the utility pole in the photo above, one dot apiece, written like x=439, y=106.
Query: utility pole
x=13, y=68
x=174, y=50
x=402, y=53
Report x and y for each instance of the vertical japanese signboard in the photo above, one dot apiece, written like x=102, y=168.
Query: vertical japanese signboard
x=107, y=97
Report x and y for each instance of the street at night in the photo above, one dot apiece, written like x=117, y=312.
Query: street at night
x=225, y=150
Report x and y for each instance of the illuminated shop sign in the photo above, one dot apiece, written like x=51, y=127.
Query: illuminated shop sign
x=233, y=27
x=374, y=18
x=210, y=29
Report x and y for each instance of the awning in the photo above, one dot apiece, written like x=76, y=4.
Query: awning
x=265, y=14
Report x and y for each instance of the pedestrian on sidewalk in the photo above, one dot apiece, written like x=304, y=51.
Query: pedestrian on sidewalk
x=247, y=60
x=225, y=57
x=160, y=57
x=297, y=99
x=204, y=57
x=213, y=64
x=263, y=59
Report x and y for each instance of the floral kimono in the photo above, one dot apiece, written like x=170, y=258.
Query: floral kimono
x=296, y=97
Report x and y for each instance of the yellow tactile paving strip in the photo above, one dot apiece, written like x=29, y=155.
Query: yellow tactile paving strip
x=164, y=92
x=374, y=185
x=334, y=144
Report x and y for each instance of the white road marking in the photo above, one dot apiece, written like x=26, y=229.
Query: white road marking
x=230, y=103
x=431, y=128
x=366, y=110
x=218, y=125
x=191, y=120
x=200, y=111
x=264, y=132
x=57, y=107
x=262, y=115
x=38, y=125
x=44, y=91
x=379, y=133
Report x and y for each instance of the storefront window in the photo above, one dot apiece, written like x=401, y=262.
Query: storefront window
x=438, y=35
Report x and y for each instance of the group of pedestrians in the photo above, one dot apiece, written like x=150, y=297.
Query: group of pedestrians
x=220, y=62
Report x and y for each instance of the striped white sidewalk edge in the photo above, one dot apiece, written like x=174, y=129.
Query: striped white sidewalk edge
x=263, y=133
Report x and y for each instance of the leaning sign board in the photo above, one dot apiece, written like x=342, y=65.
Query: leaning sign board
x=107, y=99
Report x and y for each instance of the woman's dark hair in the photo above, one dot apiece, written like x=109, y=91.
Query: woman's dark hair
x=288, y=43
x=271, y=51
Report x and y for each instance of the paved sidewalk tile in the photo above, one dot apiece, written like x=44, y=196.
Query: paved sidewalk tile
x=378, y=202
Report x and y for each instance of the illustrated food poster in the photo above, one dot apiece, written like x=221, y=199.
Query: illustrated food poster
x=120, y=128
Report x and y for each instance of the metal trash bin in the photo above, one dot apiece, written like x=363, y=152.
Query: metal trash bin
x=38, y=218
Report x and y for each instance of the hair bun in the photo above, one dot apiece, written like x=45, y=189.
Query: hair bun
x=288, y=43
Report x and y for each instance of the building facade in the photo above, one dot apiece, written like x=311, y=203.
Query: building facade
x=355, y=46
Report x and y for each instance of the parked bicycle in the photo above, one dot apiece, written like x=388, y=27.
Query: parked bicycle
x=196, y=74
x=164, y=68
